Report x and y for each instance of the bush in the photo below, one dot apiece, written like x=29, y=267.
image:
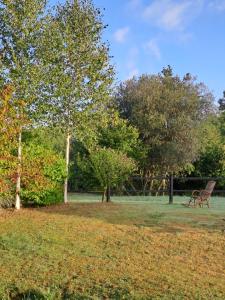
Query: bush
x=42, y=198
x=42, y=176
x=6, y=200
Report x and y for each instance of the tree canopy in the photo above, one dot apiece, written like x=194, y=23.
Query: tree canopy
x=167, y=111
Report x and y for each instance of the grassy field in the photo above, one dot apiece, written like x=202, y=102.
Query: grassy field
x=133, y=248
x=154, y=212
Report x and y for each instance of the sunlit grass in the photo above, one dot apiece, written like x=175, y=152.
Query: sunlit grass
x=121, y=250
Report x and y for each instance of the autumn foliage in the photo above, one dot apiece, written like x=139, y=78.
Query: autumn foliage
x=42, y=170
x=10, y=123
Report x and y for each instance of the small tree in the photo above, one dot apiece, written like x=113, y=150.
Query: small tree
x=111, y=168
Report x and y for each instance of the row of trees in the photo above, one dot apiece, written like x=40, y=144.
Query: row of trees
x=56, y=92
x=179, y=130
x=54, y=71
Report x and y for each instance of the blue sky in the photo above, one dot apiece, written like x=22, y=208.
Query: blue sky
x=146, y=35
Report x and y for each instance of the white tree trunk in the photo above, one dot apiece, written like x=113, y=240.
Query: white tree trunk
x=67, y=167
x=18, y=180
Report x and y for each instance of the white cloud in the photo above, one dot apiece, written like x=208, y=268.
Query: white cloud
x=121, y=34
x=171, y=14
x=218, y=5
x=153, y=48
x=133, y=73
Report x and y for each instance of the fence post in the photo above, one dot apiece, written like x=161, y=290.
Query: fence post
x=171, y=190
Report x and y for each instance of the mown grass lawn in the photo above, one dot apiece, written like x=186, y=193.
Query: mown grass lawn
x=133, y=248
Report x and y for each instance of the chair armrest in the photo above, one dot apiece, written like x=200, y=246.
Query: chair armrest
x=196, y=193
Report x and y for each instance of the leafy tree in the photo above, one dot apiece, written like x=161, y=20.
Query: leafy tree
x=167, y=111
x=116, y=134
x=211, y=160
x=49, y=137
x=20, y=27
x=8, y=131
x=10, y=123
x=119, y=135
x=110, y=167
x=78, y=71
x=42, y=170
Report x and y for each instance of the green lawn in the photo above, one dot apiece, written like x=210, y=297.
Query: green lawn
x=133, y=248
x=155, y=211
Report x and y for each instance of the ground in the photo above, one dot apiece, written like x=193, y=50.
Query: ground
x=132, y=248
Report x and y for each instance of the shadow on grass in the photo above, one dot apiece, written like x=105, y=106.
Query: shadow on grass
x=162, y=218
x=65, y=294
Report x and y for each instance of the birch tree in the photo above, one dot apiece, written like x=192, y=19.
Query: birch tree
x=79, y=74
x=20, y=27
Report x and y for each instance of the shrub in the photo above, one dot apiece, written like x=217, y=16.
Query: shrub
x=6, y=200
x=43, y=173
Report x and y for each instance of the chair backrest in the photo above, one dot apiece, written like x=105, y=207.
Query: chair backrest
x=210, y=187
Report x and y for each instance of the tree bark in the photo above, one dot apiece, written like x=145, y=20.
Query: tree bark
x=67, y=167
x=108, y=196
x=103, y=195
x=18, y=179
x=164, y=186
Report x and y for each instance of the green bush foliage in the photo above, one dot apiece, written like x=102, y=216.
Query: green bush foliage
x=43, y=175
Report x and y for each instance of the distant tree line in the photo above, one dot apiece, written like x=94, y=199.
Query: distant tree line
x=173, y=126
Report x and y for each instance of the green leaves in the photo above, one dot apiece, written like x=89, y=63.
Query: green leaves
x=78, y=73
x=167, y=111
x=111, y=167
x=20, y=27
x=43, y=172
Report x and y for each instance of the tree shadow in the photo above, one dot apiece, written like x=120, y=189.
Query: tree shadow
x=64, y=294
x=116, y=213
x=138, y=215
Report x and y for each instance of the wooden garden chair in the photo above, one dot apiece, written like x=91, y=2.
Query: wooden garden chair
x=201, y=197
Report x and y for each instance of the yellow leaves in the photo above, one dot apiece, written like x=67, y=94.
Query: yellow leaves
x=12, y=118
x=6, y=93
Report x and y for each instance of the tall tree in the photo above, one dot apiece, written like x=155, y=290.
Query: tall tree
x=78, y=71
x=20, y=27
x=167, y=111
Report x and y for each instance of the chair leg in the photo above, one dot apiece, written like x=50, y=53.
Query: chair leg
x=191, y=201
x=197, y=203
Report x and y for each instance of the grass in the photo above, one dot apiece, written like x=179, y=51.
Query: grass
x=154, y=211
x=133, y=248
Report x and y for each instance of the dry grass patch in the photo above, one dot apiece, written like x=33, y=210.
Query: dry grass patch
x=58, y=253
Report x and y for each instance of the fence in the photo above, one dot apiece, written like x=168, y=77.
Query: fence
x=170, y=187
x=170, y=190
